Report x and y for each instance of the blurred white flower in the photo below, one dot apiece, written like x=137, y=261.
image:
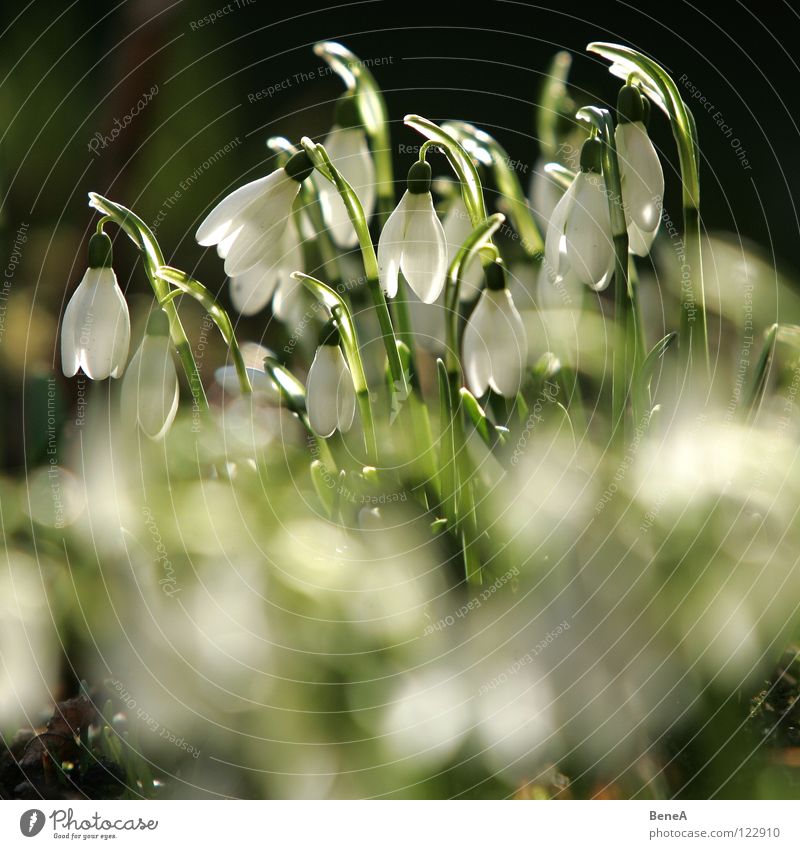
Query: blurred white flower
x=247, y=226
x=641, y=174
x=457, y=229
x=347, y=147
x=495, y=345
x=96, y=331
x=413, y=241
x=545, y=193
x=330, y=395
x=579, y=239
x=150, y=390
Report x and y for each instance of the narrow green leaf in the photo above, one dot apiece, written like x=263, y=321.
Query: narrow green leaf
x=321, y=478
x=759, y=379
x=486, y=430
x=461, y=163
x=511, y=192
x=641, y=396
x=447, y=449
x=561, y=174
x=291, y=389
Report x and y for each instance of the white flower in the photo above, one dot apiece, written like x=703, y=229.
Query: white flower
x=579, y=239
x=545, y=193
x=253, y=355
x=495, y=345
x=457, y=229
x=96, y=331
x=330, y=395
x=641, y=175
x=413, y=241
x=252, y=290
x=150, y=390
x=347, y=147
x=247, y=226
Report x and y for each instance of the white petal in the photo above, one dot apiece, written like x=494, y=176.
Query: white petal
x=225, y=245
x=424, y=258
x=554, y=241
x=345, y=395
x=102, y=329
x=322, y=390
x=641, y=175
x=219, y=222
x=251, y=291
x=228, y=378
x=288, y=303
x=262, y=229
x=589, y=244
x=545, y=193
x=390, y=247
x=349, y=152
x=477, y=368
x=639, y=241
x=73, y=315
x=457, y=229
x=150, y=387
x=507, y=344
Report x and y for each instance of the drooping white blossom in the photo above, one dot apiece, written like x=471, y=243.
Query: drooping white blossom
x=96, y=330
x=641, y=174
x=150, y=391
x=495, y=346
x=330, y=394
x=413, y=241
x=247, y=226
x=579, y=239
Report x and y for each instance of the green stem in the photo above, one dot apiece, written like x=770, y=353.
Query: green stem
x=694, y=330
x=141, y=235
x=355, y=210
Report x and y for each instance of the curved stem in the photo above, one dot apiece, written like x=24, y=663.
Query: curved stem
x=355, y=210
x=141, y=235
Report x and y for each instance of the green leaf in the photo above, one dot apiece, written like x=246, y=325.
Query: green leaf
x=461, y=163
x=480, y=239
x=321, y=477
x=447, y=448
x=641, y=391
x=291, y=389
x=553, y=102
x=759, y=381
x=562, y=175
x=138, y=232
x=513, y=198
x=358, y=79
x=486, y=430
x=372, y=108
x=187, y=284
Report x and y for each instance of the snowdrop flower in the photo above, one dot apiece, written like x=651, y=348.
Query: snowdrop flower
x=96, y=330
x=579, y=239
x=150, y=387
x=545, y=193
x=640, y=170
x=495, y=345
x=457, y=229
x=253, y=290
x=330, y=395
x=253, y=355
x=347, y=147
x=413, y=241
x=248, y=225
